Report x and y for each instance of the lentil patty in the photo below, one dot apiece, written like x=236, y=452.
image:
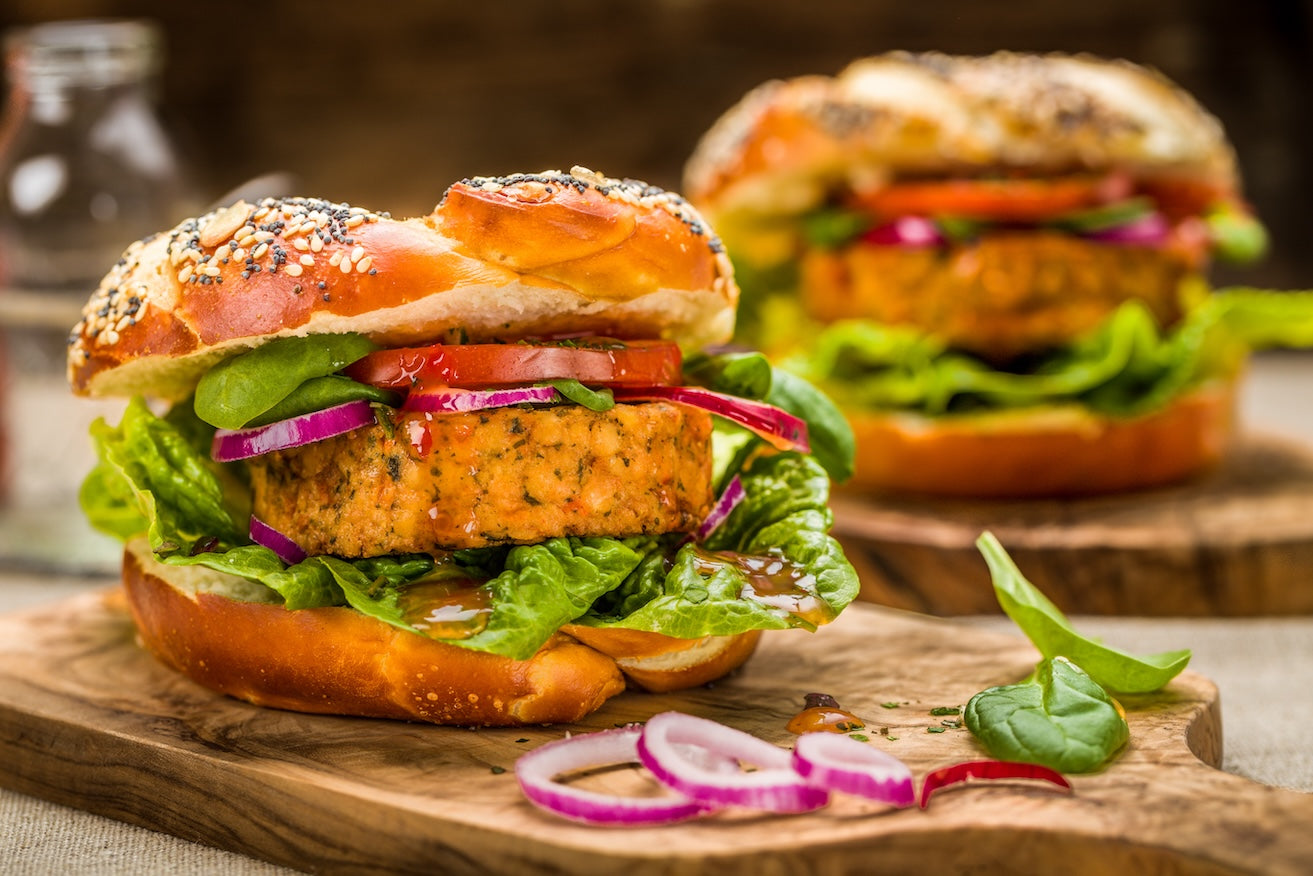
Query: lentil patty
x=430, y=482
x=1008, y=293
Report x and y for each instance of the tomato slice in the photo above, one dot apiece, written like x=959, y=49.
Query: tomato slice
x=1008, y=200
x=593, y=361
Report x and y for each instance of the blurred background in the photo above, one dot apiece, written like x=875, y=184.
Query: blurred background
x=388, y=103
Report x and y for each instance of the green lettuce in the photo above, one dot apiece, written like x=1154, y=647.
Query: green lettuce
x=155, y=477
x=1126, y=367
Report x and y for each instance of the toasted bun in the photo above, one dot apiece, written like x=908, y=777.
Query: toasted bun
x=339, y=661
x=787, y=142
x=659, y=663
x=1052, y=453
x=511, y=257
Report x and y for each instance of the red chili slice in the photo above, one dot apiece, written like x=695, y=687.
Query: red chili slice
x=987, y=769
x=592, y=361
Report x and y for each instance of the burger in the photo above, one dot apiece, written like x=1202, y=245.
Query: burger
x=995, y=265
x=467, y=468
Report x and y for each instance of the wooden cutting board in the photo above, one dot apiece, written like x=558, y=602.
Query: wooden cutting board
x=89, y=720
x=1238, y=542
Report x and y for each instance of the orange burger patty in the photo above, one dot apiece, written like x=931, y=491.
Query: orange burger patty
x=430, y=482
x=1008, y=293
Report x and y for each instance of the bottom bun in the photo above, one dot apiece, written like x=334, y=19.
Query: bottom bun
x=658, y=663
x=1054, y=452
x=341, y=662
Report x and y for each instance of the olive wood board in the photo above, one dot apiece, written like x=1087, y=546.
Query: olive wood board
x=89, y=720
x=1235, y=542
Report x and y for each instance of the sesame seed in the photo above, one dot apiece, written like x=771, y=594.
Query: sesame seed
x=239, y=253
x=211, y=270
x=357, y=254
x=345, y=266
x=293, y=270
x=335, y=259
x=364, y=264
x=246, y=240
x=264, y=236
x=185, y=274
x=354, y=221
x=316, y=243
x=308, y=260
x=259, y=251
x=301, y=243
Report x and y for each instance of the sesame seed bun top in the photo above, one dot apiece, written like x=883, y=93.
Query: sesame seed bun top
x=499, y=258
x=786, y=143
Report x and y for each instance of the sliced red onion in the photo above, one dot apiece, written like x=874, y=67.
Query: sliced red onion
x=1151, y=229
x=906, y=231
x=987, y=769
x=287, y=550
x=232, y=445
x=451, y=400
x=840, y=763
x=727, y=502
x=780, y=428
x=538, y=770
x=775, y=786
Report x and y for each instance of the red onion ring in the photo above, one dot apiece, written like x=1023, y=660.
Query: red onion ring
x=774, y=787
x=232, y=445
x=537, y=770
x=287, y=550
x=448, y=400
x=910, y=231
x=840, y=763
x=782, y=429
x=1151, y=229
x=728, y=501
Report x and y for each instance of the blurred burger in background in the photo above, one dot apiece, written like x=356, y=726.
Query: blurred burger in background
x=996, y=265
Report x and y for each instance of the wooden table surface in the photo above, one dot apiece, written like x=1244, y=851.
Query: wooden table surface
x=1263, y=668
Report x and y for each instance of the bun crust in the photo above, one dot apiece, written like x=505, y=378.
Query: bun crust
x=784, y=144
x=1053, y=453
x=502, y=258
x=338, y=661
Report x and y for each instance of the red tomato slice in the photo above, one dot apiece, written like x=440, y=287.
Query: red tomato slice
x=1178, y=198
x=593, y=361
x=1009, y=200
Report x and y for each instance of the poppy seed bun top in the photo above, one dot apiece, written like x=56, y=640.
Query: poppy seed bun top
x=499, y=258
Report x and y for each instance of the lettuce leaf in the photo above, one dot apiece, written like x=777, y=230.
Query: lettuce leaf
x=1126, y=367
x=155, y=476
x=704, y=592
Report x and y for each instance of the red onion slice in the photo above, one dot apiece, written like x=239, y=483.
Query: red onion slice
x=776, y=787
x=1151, y=229
x=728, y=501
x=448, y=400
x=232, y=445
x=287, y=550
x=537, y=770
x=840, y=763
x=909, y=231
x=780, y=428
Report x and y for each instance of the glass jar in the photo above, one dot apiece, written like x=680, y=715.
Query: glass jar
x=86, y=167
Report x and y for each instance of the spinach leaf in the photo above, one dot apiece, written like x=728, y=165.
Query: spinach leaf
x=1059, y=718
x=319, y=393
x=235, y=392
x=573, y=390
x=1050, y=631
x=751, y=376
